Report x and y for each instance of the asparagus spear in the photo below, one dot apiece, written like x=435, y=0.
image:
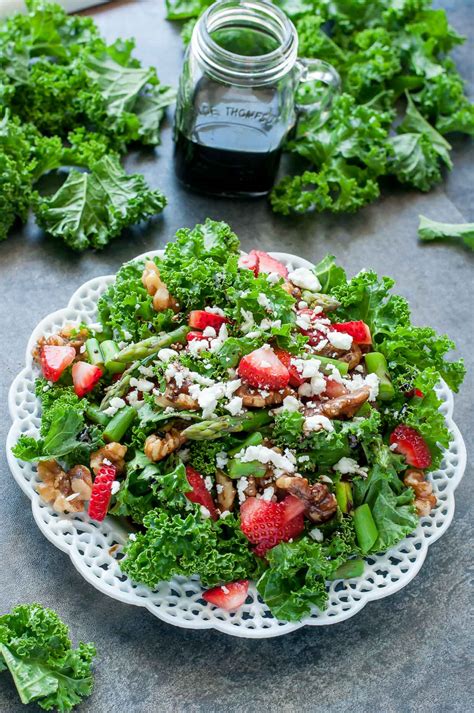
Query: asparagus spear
x=150, y=346
x=207, y=430
x=377, y=364
x=94, y=352
x=348, y=570
x=119, y=424
x=365, y=527
x=94, y=413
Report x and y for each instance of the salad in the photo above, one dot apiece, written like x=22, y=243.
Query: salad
x=248, y=420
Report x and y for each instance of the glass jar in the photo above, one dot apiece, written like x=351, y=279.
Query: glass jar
x=236, y=101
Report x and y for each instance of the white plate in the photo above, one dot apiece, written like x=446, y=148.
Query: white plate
x=178, y=602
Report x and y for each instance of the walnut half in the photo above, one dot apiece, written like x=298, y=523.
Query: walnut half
x=65, y=491
x=320, y=503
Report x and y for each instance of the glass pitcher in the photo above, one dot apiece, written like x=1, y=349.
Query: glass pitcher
x=236, y=102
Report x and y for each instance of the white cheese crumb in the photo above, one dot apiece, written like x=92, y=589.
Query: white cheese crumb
x=316, y=534
x=340, y=340
x=73, y=496
x=225, y=589
x=115, y=487
x=268, y=493
x=234, y=406
x=349, y=466
x=215, y=310
x=208, y=482
x=205, y=512
x=221, y=460
x=291, y=404
x=242, y=485
x=264, y=302
x=273, y=277
x=268, y=455
x=305, y=278
x=132, y=536
x=82, y=348
x=303, y=459
x=141, y=384
x=224, y=514
x=165, y=355
x=106, y=461
x=209, y=332
x=318, y=422
x=116, y=403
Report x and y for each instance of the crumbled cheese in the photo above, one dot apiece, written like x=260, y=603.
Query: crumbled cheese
x=133, y=399
x=302, y=304
x=116, y=403
x=209, y=332
x=318, y=422
x=96, y=327
x=349, y=466
x=393, y=446
x=106, y=461
x=221, y=460
x=248, y=322
x=215, y=310
x=82, y=349
x=291, y=404
x=232, y=386
x=316, y=534
x=273, y=277
x=225, y=589
x=234, y=406
x=166, y=354
x=310, y=368
x=147, y=370
x=197, y=346
x=267, y=324
x=141, y=384
x=267, y=455
x=359, y=368
x=132, y=536
x=264, y=302
x=219, y=488
x=220, y=339
x=305, y=278
x=242, y=485
x=268, y=493
x=325, y=479
x=303, y=321
x=208, y=482
x=73, y=496
x=303, y=459
x=224, y=514
x=115, y=487
x=373, y=382
x=173, y=372
x=340, y=340
x=205, y=512
x=208, y=397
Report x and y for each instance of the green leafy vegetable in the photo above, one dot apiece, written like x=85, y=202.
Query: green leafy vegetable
x=36, y=649
x=461, y=233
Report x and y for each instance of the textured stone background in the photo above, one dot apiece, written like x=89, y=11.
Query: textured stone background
x=410, y=652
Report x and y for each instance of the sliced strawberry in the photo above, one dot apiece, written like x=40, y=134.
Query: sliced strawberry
x=191, y=336
x=228, y=596
x=101, y=492
x=85, y=377
x=359, y=331
x=250, y=262
x=263, y=369
x=314, y=334
x=266, y=523
x=267, y=263
x=200, y=319
x=414, y=392
x=55, y=359
x=334, y=389
x=411, y=445
x=199, y=493
x=292, y=507
x=295, y=377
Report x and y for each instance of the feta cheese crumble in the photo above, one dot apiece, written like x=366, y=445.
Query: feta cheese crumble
x=339, y=340
x=305, y=278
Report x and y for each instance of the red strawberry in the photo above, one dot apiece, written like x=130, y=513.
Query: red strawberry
x=200, y=319
x=295, y=377
x=266, y=523
x=314, y=334
x=250, y=262
x=199, y=493
x=55, y=359
x=228, y=596
x=411, y=445
x=262, y=368
x=267, y=263
x=191, y=336
x=101, y=492
x=85, y=377
x=334, y=389
x=359, y=331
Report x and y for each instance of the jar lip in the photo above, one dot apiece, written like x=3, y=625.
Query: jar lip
x=255, y=69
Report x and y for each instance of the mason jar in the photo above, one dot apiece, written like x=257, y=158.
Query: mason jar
x=236, y=101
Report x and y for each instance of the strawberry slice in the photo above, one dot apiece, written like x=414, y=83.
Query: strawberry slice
x=411, y=445
x=85, y=377
x=101, y=492
x=191, y=336
x=200, y=319
x=263, y=369
x=414, y=392
x=55, y=359
x=228, y=596
x=334, y=389
x=199, y=493
x=295, y=377
x=266, y=523
x=250, y=262
x=314, y=334
x=267, y=263
x=359, y=331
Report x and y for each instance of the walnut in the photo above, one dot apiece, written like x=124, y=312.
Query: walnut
x=69, y=335
x=226, y=493
x=65, y=491
x=156, y=287
x=292, y=289
x=251, y=489
x=252, y=398
x=425, y=501
x=158, y=447
x=320, y=503
x=342, y=406
x=113, y=452
x=177, y=396
x=352, y=356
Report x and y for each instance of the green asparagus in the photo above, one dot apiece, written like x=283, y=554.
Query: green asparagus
x=206, y=430
x=348, y=570
x=377, y=364
x=343, y=492
x=326, y=362
x=119, y=424
x=365, y=527
x=151, y=346
x=110, y=350
x=95, y=415
x=94, y=352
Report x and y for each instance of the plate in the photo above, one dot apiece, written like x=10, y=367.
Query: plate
x=95, y=548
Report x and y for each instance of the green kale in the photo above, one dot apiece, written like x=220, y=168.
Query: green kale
x=175, y=544
x=460, y=233
x=202, y=455
x=295, y=580
x=16, y=169
x=91, y=208
x=36, y=649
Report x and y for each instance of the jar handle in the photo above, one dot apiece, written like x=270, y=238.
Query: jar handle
x=316, y=70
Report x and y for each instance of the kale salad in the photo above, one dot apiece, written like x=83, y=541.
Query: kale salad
x=248, y=420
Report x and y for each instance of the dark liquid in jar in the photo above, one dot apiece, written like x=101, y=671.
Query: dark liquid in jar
x=233, y=149
x=224, y=171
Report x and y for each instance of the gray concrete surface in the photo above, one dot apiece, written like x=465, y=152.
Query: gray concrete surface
x=410, y=652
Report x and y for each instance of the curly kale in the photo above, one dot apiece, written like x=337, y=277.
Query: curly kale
x=36, y=649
